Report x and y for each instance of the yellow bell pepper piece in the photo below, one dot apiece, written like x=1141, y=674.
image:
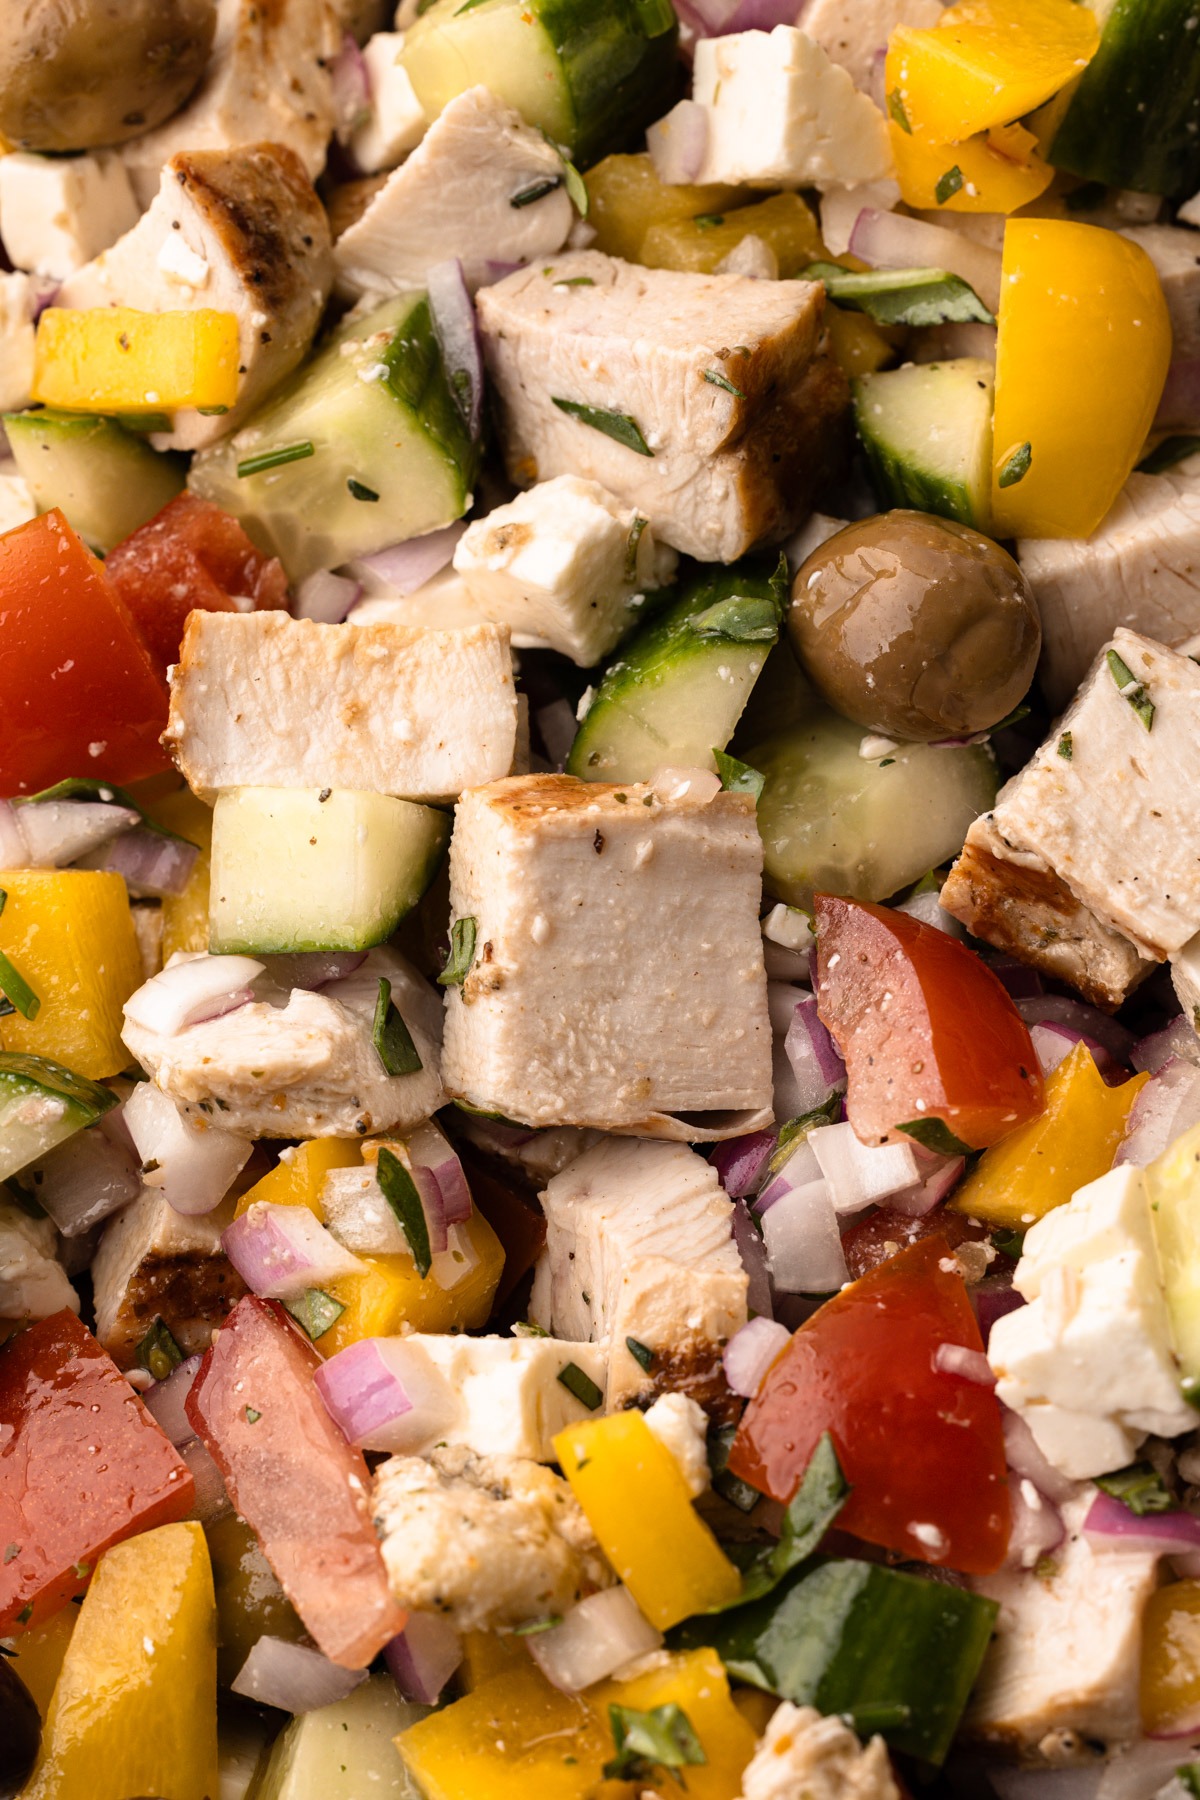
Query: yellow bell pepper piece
x=70, y=934
x=1082, y=354
x=985, y=63
x=135, y=1708
x=487, y=1654
x=856, y=343
x=514, y=1738
x=637, y=1503
x=391, y=1294
x=1170, y=1673
x=784, y=223
x=113, y=359
x=626, y=198
x=696, y=1682
x=37, y=1655
x=185, y=916
x=299, y=1175
x=1040, y=1165
x=996, y=172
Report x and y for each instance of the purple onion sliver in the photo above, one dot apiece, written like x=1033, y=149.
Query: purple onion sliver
x=1175, y=1039
x=350, y=88
x=149, y=860
x=326, y=598
x=741, y=1162
x=992, y=1303
x=1056, y=1009
x=1111, y=1525
x=165, y=1400
x=753, y=1253
x=457, y=332
x=424, y=1657
x=407, y=566
x=1021, y=982
x=1180, y=401
x=361, y=1393
x=433, y=1206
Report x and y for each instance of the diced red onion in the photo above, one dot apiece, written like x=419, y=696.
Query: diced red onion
x=326, y=597
x=716, y=18
x=211, y=1498
x=876, y=85
x=457, y=332
x=678, y=143
x=313, y=969
x=14, y=852
x=960, y=1359
x=1089, y=1021
x=1025, y=1458
x=597, y=1638
x=804, y=1248
x=429, y=1150
x=1037, y=1526
x=280, y=1251
x=386, y=1394
x=753, y=1253
x=495, y=270
x=672, y=783
x=84, y=1181
x=931, y=1189
x=424, y=1657
x=293, y=1677
x=351, y=89
x=193, y=1162
x=1054, y=1043
x=888, y=240
x=1175, y=1039
x=858, y=1174
x=929, y=910
x=57, y=832
x=1179, y=403
x=165, y=1400
x=1111, y=1526
x=750, y=1352
x=992, y=1300
x=405, y=567
x=798, y=1169
x=741, y=1163
x=1020, y=981
x=190, y=990
x=149, y=861
x=818, y=1069
x=1167, y=1106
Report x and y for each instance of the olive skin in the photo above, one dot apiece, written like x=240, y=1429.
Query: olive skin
x=79, y=74
x=20, y=1732
x=915, y=627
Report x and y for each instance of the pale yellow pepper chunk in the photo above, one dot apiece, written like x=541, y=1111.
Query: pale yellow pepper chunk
x=185, y=916
x=514, y=1738
x=1042, y=1164
x=135, y=1708
x=784, y=223
x=637, y=1503
x=70, y=934
x=487, y=1654
x=391, y=1295
x=299, y=1175
x=1170, y=1673
x=995, y=172
x=695, y=1681
x=37, y=1655
x=626, y=199
x=113, y=359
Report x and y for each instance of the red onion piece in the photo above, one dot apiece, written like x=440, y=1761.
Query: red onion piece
x=326, y=597
x=313, y=969
x=457, y=332
x=858, y=1174
x=429, y=1151
x=403, y=568
x=596, y=1639
x=1175, y=1039
x=804, y=1248
x=1020, y=981
x=818, y=1069
x=1025, y=1458
x=717, y=18
x=889, y=240
x=960, y=1359
x=1089, y=1021
x=149, y=860
x=85, y=1181
x=750, y=1352
x=931, y=1189
x=165, y=1400
x=281, y=1251
x=1054, y=1043
x=753, y=1253
x=46, y=291
x=1037, y=1525
x=190, y=990
x=57, y=832
x=193, y=1163
x=1167, y=1106
x=741, y=1163
x=424, y=1657
x=385, y=1394
x=1111, y=1526
x=14, y=851
x=211, y=1498
x=1179, y=403
x=799, y=1168
x=992, y=1299
x=678, y=143
x=293, y=1677
x=351, y=89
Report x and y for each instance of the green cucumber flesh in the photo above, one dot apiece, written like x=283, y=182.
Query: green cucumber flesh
x=105, y=481
x=294, y=869
x=41, y=1105
x=345, y=1751
x=371, y=415
x=677, y=691
x=927, y=432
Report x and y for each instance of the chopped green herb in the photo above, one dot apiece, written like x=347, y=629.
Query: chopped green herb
x=158, y=1352
x=529, y=1329
x=12, y=1552
x=252, y=1415
x=359, y=490
x=1066, y=746
x=1140, y=1488
x=212, y=412
x=887, y=762
x=400, y=1192
x=576, y=188
x=1131, y=689
x=82, y=1570
x=315, y=1311
x=17, y=991
x=537, y=1626
x=1013, y=718
x=391, y=1036
x=795, y=1129
x=462, y=952
x=577, y=1382
x=25, y=1614
x=618, y=426
x=662, y=1738
x=948, y=185
x=742, y=619
x=918, y=296
x=718, y=380
x=1015, y=466
x=707, y=221
x=642, y=1354
x=274, y=459
x=631, y=547
x=657, y=17
x=537, y=190
x=936, y=1135
x=466, y=7
x=1009, y=1243
x=1188, y=1778
x=813, y=1509
x=898, y=112
x=570, y=280
x=738, y=777
x=739, y=1493
x=1172, y=450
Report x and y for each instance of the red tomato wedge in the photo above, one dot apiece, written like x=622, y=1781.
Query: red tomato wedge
x=79, y=693
x=82, y=1465
x=191, y=555
x=294, y=1478
x=922, y=1448
x=881, y=1234
x=934, y=1047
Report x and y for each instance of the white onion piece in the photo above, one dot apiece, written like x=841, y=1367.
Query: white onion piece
x=804, y=1249
x=191, y=989
x=858, y=1174
x=1167, y=1106
x=403, y=568
x=1025, y=1458
x=960, y=1359
x=428, y=1149
x=818, y=1070
x=678, y=143
x=928, y=909
x=14, y=851
x=386, y=1394
x=149, y=861
x=798, y=1169
x=326, y=597
x=84, y=1181
x=1052, y=1045
x=59, y=831
x=597, y=1638
x=211, y=1499
x=701, y=785
x=424, y=1657
x=1176, y=1039
x=1037, y=1526
x=293, y=1677
x=929, y=1192
x=753, y=1253
x=281, y=1251
x=457, y=332
x=165, y=1400
x=193, y=1162
x=750, y=1352
x=889, y=240
x=753, y=257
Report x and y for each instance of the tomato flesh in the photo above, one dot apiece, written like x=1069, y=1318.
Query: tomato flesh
x=875, y=1239
x=921, y=1447
x=79, y=693
x=82, y=1465
x=295, y=1480
x=190, y=556
x=930, y=1037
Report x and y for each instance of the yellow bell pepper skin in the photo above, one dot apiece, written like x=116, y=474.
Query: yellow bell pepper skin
x=391, y=1294
x=637, y=1503
x=70, y=934
x=37, y=1655
x=626, y=198
x=299, y=1175
x=784, y=223
x=695, y=1681
x=1082, y=354
x=985, y=63
x=185, y=916
x=1170, y=1672
x=514, y=1738
x=135, y=1707
x=856, y=342
x=1040, y=1165
x=995, y=172
x=113, y=359
x=487, y=1654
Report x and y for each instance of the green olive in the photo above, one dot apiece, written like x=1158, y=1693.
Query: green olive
x=78, y=74
x=916, y=627
x=250, y=1602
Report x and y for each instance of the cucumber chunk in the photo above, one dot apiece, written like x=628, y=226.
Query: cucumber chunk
x=106, y=481
x=832, y=820
x=344, y=1751
x=297, y=869
x=41, y=1105
x=589, y=75
x=927, y=433
x=677, y=692
x=361, y=448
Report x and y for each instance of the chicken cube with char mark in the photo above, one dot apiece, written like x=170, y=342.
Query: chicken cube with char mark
x=616, y=942
x=698, y=399
x=154, y=1262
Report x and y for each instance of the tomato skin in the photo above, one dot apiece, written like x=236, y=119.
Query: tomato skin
x=878, y=1237
x=295, y=1480
x=82, y=1465
x=79, y=693
x=919, y=1446
x=927, y=1032
x=191, y=555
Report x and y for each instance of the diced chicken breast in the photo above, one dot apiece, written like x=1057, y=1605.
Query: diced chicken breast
x=716, y=374
x=804, y=1756
x=854, y=33
x=484, y=1541
x=1140, y=568
x=396, y=120
x=1185, y=977
x=565, y=564
x=481, y=186
x=1062, y=1670
x=617, y=942
x=56, y=213
x=33, y=1282
x=1173, y=251
x=264, y=700
x=240, y=231
x=154, y=1262
x=267, y=81
x=18, y=302
x=639, y=1244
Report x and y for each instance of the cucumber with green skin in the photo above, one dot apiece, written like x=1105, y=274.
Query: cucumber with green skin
x=675, y=694
x=590, y=75
x=1133, y=121
x=927, y=432
x=344, y=1751
x=41, y=1105
x=364, y=446
x=105, y=481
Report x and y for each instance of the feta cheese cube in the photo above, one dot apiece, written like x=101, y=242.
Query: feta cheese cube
x=563, y=563
x=1185, y=976
x=56, y=213
x=509, y=1400
x=397, y=119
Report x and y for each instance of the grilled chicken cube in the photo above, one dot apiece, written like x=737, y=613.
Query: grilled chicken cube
x=639, y=1245
x=239, y=231
x=154, y=1262
x=616, y=942
x=481, y=186
x=33, y=1282
x=263, y=700
x=697, y=399
x=56, y=213
x=1172, y=250
x=803, y=1754
x=1185, y=977
x=852, y=32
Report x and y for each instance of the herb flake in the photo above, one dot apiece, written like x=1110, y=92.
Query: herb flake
x=274, y=459
x=158, y=1353
x=642, y=1354
x=618, y=426
x=537, y=190
x=358, y=490
x=391, y=1036
x=576, y=188
x=742, y=619
x=252, y=1415
x=738, y=777
x=17, y=991
x=1066, y=746
x=578, y=1382
x=661, y=1738
x=816, y=1504
x=463, y=933
x=315, y=1311
x=1131, y=689
x=898, y=112
x=1139, y=1488
x=1015, y=466
x=719, y=380
x=917, y=296
x=400, y=1192
x=936, y=1135
x=948, y=185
